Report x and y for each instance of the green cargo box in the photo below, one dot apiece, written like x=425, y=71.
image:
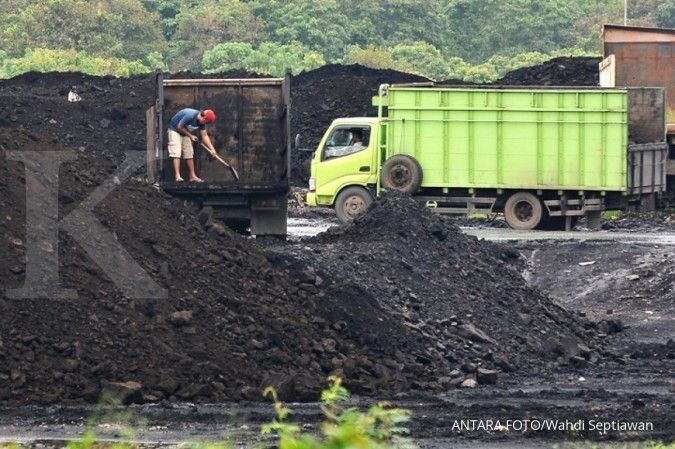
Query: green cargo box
x=559, y=139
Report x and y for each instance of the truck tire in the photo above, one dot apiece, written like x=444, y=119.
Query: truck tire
x=352, y=202
x=401, y=173
x=523, y=211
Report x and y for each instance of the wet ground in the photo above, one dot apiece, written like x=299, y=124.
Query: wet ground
x=309, y=224
x=624, y=276
x=583, y=401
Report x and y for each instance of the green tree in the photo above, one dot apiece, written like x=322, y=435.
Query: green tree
x=269, y=58
x=211, y=22
x=111, y=28
x=45, y=60
x=422, y=58
x=227, y=56
x=321, y=25
x=480, y=28
x=168, y=10
x=664, y=14
x=371, y=56
x=393, y=22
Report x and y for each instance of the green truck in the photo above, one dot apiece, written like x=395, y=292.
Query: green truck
x=543, y=157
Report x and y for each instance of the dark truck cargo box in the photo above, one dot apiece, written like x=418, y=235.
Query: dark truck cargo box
x=252, y=133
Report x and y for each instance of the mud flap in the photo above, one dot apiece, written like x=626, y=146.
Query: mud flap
x=593, y=220
x=269, y=216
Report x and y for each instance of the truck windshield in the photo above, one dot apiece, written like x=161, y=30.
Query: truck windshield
x=346, y=140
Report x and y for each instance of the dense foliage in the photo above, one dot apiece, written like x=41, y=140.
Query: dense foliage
x=474, y=40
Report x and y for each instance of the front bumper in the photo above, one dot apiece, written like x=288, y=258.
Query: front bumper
x=311, y=199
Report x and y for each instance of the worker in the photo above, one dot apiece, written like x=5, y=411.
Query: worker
x=181, y=135
x=355, y=144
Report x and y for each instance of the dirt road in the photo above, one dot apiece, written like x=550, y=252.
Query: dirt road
x=307, y=226
x=502, y=235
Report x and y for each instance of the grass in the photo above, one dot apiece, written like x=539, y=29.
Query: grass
x=609, y=214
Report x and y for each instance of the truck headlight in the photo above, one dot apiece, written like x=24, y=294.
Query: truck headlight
x=312, y=184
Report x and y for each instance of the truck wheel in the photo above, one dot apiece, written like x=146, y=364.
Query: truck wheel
x=523, y=211
x=352, y=202
x=401, y=173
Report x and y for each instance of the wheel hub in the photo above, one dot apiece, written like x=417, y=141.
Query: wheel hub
x=524, y=211
x=400, y=175
x=354, y=206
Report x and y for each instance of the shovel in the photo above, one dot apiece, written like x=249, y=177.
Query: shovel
x=215, y=155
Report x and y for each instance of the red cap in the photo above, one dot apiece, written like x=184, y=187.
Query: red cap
x=209, y=116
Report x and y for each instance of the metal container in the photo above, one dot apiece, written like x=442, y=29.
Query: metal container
x=252, y=133
x=561, y=139
x=643, y=57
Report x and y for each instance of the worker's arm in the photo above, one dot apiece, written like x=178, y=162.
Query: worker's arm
x=184, y=131
x=206, y=140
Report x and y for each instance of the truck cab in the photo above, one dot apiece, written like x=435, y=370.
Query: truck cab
x=342, y=161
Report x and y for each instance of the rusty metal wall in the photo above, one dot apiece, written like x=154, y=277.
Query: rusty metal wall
x=249, y=131
x=646, y=64
x=646, y=114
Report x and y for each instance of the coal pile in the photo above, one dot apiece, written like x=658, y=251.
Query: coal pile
x=109, y=120
x=641, y=222
x=563, y=71
x=236, y=318
x=329, y=92
x=465, y=297
x=232, y=322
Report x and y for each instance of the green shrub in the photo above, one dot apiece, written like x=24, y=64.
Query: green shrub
x=381, y=427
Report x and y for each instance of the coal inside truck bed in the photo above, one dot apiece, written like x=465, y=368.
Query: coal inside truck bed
x=251, y=133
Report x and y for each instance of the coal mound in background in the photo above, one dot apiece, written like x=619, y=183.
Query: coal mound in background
x=465, y=296
x=563, y=71
x=111, y=118
x=108, y=122
x=329, y=92
x=641, y=222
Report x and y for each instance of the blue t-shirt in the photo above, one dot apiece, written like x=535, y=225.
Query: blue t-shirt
x=186, y=117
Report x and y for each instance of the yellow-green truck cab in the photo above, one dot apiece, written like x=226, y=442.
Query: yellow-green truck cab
x=543, y=157
x=337, y=165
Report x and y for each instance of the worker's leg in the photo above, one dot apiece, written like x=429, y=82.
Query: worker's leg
x=191, y=170
x=176, y=168
x=188, y=155
x=175, y=152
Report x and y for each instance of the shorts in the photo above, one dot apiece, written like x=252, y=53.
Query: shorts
x=180, y=146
